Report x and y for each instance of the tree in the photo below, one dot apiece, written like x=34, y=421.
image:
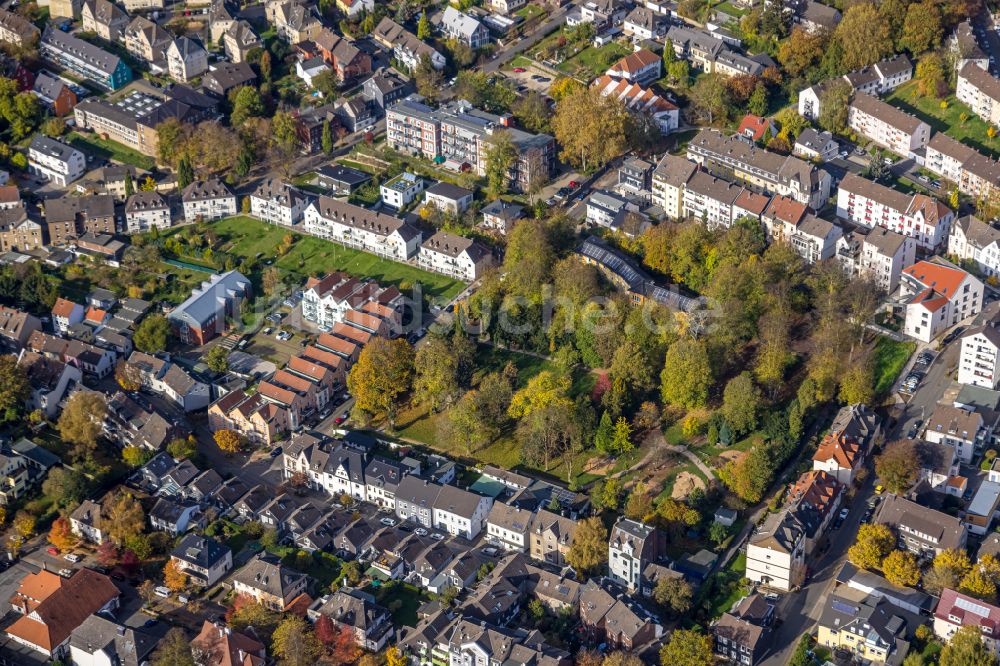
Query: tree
x=864, y=38
x=271, y=280
x=749, y=475
x=710, y=98
x=128, y=376
x=14, y=387
x=978, y=583
x=326, y=632
x=589, y=549
x=82, y=421
x=228, y=441
x=217, y=359
x=171, y=137
x=185, y=172
x=922, y=29
x=423, y=27
x=740, y=403
x=640, y=504
x=802, y=51
x=591, y=128
x=24, y=524
x=686, y=375
x=897, y=466
x=901, y=568
x=174, y=649
x=429, y=79
x=874, y=543
x=61, y=534
x=381, y=376
x=857, y=385
x=674, y=594
x=152, y=333
x=147, y=185
x=621, y=441
x=284, y=141
x=174, y=578
x=687, y=647
x=326, y=138
x=947, y=571
x=533, y=112
x=394, y=657
x=183, y=447
x=123, y=516
x=129, y=186
x=834, y=102
x=265, y=65
x=932, y=78
x=501, y=156
x=246, y=103
x=64, y=486
x=436, y=380
x=136, y=456
x=966, y=648
x=757, y=104
x=245, y=612
x=296, y=644
x=604, y=435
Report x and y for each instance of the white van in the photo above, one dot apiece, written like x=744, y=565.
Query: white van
x=162, y=591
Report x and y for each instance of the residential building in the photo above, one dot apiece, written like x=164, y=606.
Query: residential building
x=203, y=560
x=84, y=59
x=352, y=8
x=16, y=329
x=776, y=552
x=740, y=635
x=961, y=429
x=86, y=523
x=462, y=27
x=18, y=231
x=361, y=228
x=813, y=144
x=251, y=416
x=356, y=612
x=643, y=23
x=50, y=381
x=939, y=296
x=415, y=499
x=631, y=546
x=104, y=18
x=669, y=180
x=17, y=30
x=88, y=358
x=52, y=607
x=100, y=641
x=500, y=215
x=277, y=202
x=976, y=241
x=956, y=610
x=404, y=45
x=460, y=512
x=878, y=79
x=980, y=90
x=340, y=180
x=269, y=582
x=840, y=455
x=922, y=530
x=756, y=128
x=461, y=135
x=54, y=93
x=508, y=527
x=145, y=211
x=979, y=359
x=55, y=161
x=866, y=625
x=175, y=517
x=168, y=379
x=294, y=21
x=615, y=619
x=203, y=315
x=644, y=101
x=735, y=159
x=642, y=67
x=710, y=200
x=225, y=77
x=382, y=477
x=550, y=537
x=208, y=200
x=884, y=255
x=869, y=204
x=456, y=256
x=886, y=125
x=402, y=190
x=145, y=40
x=336, y=469
x=239, y=40
x=134, y=5
x=186, y=59
x=326, y=300
x=448, y=198
x=232, y=647
x=67, y=218
x=386, y=88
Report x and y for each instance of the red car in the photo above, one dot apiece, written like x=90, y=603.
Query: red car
x=519, y=70
x=574, y=184
x=52, y=550
x=340, y=419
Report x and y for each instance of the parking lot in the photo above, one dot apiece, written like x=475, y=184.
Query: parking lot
x=530, y=78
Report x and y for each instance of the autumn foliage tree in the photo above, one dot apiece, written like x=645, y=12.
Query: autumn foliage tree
x=590, y=546
x=228, y=441
x=874, y=543
x=382, y=375
x=897, y=466
x=325, y=631
x=901, y=568
x=61, y=535
x=173, y=577
x=344, y=649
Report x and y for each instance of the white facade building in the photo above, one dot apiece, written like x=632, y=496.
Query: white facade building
x=973, y=240
x=938, y=296
x=145, y=211
x=358, y=227
x=208, y=200
x=918, y=216
x=54, y=160
x=401, y=190
x=277, y=202
x=455, y=256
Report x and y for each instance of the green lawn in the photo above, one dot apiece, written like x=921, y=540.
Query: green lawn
x=593, y=61
x=247, y=237
x=890, y=357
x=529, y=11
x=731, y=9
x=410, y=599
x=723, y=589
x=110, y=150
x=972, y=132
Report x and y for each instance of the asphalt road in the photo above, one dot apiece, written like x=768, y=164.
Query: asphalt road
x=555, y=19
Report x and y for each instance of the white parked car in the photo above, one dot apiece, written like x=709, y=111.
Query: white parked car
x=388, y=522
x=420, y=531
x=162, y=591
x=71, y=557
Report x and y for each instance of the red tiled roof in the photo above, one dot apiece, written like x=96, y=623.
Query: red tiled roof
x=63, y=308
x=753, y=126
x=845, y=451
x=228, y=647
x=949, y=607
x=636, y=61
x=816, y=488
x=942, y=279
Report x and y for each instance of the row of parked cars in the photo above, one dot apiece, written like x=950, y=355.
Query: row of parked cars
x=917, y=372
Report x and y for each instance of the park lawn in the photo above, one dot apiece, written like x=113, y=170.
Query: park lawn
x=592, y=61
x=247, y=237
x=890, y=357
x=972, y=132
x=110, y=150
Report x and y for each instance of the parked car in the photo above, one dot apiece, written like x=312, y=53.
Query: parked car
x=340, y=419
x=162, y=591
x=519, y=70
x=420, y=531
x=72, y=557
x=66, y=573
x=879, y=489
x=52, y=550
x=276, y=451
x=844, y=512
x=388, y=522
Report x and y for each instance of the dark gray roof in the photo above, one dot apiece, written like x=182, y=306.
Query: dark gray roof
x=204, y=190
x=343, y=174
x=53, y=148
x=143, y=201
x=448, y=191
x=70, y=44
x=129, y=645
x=201, y=551
x=48, y=87
x=68, y=208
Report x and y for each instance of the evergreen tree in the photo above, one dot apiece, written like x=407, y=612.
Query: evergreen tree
x=423, y=27
x=326, y=139
x=621, y=443
x=605, y=434
x=185, y=174
x=129, y=187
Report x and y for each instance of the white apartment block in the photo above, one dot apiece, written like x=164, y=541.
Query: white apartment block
x=509, y=527
x=979, y=359
x=710, y=200
x=460, y=512
x=361, y=228
x=938, y=296
x=401, y=190
x=980, y=90
x=277, y=202
x=669, y=179
x=776, y=552
x=145, y=211
x=886, y=125
x=456, y=256
x=632, y=546
x=208, y=200
x=973, y=240
x=326, y=300
x=884, y=254
x=918, y=216
x=960, y=429
x=878, y=79
x=55, y=161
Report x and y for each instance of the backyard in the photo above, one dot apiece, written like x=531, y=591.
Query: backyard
x=890, y=357
x=593, y=61
x=92, y=144
x=971, y=131
x=246, y=237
